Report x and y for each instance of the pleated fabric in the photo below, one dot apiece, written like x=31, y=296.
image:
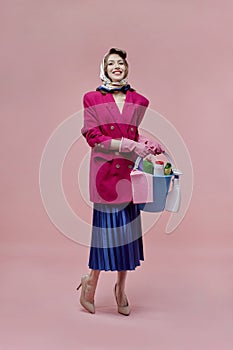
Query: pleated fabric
x=116, y=242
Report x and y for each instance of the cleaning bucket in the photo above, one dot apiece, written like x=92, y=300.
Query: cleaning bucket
x=154, y=187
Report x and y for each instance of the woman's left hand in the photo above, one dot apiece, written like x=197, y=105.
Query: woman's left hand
x=154, y=147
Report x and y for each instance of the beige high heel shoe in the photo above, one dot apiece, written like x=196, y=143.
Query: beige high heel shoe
x=88, y=305
x=124, y=310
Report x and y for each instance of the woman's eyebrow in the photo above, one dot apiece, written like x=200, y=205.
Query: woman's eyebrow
x=113, y=60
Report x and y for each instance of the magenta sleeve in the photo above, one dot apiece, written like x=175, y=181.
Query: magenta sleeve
x=92, y=127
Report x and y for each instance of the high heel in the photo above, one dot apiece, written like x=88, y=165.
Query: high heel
x=89, y=306
x=124, y=310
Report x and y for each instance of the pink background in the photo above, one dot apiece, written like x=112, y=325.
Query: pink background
x=180, y=58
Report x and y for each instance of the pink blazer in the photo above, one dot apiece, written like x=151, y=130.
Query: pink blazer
x=109, y=180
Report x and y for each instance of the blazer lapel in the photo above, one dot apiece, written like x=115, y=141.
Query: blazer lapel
x=113, y=115
x=112, y=108
x=127, y=115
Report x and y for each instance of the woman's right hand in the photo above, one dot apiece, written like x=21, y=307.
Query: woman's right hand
x=128, y=145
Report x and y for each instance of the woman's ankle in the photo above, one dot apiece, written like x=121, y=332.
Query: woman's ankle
x=93, y=277
x=92, y=281
x=120, y=287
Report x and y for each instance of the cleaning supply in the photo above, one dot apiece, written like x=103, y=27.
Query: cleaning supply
x=174, y=196
x=148, y=166
x=168, y=169
x=159, y=168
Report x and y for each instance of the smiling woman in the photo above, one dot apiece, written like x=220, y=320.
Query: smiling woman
x=114, y=71
x=115, y=65
x=111, y=130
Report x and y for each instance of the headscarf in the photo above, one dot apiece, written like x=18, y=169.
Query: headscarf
x=109, y=85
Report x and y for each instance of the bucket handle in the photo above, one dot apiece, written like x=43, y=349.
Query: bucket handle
x=167, y=155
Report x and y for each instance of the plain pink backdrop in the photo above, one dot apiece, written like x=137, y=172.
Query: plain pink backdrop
x=180, y=56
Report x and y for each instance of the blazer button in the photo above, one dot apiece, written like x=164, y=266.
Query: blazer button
x=117, y=153
x=132, y=129
x=130, y=166
x=118, y=166
x=96, y=144
x=112, y=127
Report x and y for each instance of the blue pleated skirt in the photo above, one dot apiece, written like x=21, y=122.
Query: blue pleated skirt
x=116, y=242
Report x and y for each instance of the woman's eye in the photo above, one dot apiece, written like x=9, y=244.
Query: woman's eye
x=111, y=63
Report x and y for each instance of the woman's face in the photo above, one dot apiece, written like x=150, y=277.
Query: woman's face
x=116, y=68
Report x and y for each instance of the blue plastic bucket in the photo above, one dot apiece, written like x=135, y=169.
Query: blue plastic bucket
x=161, y=186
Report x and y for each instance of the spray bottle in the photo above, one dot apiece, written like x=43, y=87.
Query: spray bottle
x=174, y=196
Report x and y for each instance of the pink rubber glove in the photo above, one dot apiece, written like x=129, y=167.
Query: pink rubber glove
x=128, y=145
x=154, y=147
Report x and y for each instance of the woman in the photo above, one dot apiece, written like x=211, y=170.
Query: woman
x=112, y=115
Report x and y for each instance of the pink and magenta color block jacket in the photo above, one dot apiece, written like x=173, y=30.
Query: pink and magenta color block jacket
x=109, y=180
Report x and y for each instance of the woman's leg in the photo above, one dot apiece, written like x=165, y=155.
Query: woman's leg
x=91, y=283
x=120, y=288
